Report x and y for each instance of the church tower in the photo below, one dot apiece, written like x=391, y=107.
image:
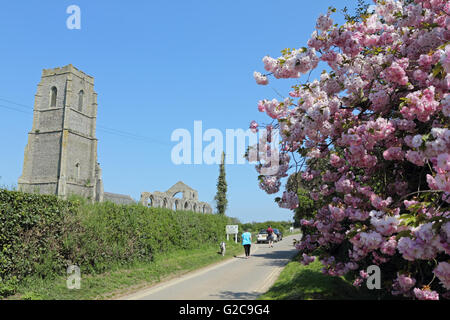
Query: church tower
x=61, y=154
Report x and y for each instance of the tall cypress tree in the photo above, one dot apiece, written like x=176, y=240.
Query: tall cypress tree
x=221, y=195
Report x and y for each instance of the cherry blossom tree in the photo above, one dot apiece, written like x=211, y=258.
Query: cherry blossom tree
x=379, y=118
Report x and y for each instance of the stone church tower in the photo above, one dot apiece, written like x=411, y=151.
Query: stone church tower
x=61, y=154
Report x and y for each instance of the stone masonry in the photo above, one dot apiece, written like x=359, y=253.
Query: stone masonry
x=189, y=200
x=61, y=153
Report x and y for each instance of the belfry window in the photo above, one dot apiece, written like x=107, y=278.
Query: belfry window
x=54, y=93
x=80, y=100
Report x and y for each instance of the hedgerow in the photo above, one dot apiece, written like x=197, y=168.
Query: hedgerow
x=41, y=235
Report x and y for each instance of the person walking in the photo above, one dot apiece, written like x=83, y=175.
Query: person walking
x=270, y=236
x=247, y=242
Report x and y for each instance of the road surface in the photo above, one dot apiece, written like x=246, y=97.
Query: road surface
x=235, y=279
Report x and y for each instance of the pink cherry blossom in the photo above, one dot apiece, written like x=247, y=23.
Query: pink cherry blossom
x=369, y=138
x=403, y=284
x=416, y=141
x=289, y=200
x=423, y=294
x=389, y=247
x=443, y=161
x=396, y=72
x=260, y=79
x=416, y=157
x=394, y=153
x=445, y=59
x=254, y=126
x=442, y=271
x=307, y=259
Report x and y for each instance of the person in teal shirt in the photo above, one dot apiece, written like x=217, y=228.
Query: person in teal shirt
x=247, y=242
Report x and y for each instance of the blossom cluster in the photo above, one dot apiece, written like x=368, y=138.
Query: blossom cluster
x=379, y=118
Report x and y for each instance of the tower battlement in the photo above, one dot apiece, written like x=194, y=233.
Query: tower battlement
x=61, y=154
x=67, y=69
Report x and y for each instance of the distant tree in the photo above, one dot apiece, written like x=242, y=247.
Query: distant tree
x=233, y=220
x=221, y=195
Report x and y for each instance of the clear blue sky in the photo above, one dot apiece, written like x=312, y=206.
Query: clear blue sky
x=158, y=66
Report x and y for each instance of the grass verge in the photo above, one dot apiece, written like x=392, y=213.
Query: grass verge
x=299, y=282
x=124, y=280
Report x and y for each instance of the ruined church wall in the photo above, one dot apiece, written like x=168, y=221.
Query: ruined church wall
x=118, y=198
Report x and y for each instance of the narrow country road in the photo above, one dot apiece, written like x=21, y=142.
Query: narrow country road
x=237, y=278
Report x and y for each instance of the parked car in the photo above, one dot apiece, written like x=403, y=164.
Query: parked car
x=262, y=236
x=279, y=234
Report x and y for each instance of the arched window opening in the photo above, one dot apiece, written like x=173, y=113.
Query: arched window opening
x=80, y=100
x=178, y=195
x=54, y=93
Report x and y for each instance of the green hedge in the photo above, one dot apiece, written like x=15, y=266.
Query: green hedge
x=31, y=229
x=41, y=235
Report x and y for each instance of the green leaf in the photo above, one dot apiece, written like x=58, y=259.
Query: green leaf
x=403, y=234
x=438, y=71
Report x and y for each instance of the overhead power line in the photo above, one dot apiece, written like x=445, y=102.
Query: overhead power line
x=108, y=130
x=17, y=104
x=15, y=109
